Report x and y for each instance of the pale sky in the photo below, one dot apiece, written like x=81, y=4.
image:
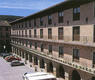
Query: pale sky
x=24, y=7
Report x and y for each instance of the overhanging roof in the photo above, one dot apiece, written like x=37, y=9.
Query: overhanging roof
x=61, y=6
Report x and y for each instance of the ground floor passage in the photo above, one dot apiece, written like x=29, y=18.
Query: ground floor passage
x=59, y=70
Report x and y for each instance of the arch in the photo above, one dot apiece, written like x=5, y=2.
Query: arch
x=42, y=63
x=30, y=57
x=61, y=72
x=35, y=60
x=75, y=75
x=93, y=78
x=50, y=67
x=26, y=56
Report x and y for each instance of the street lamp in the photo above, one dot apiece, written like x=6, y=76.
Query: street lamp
x=4, y=47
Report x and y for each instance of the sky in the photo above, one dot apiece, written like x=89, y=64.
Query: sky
x=24, y=7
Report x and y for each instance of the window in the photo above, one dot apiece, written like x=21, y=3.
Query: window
x=49, y=19
x=0, y=29
x=41, y=33
x=6, y=28
x=25, y=33
x=42, y=47
x=76, y=13
x=30, y=44
x=34, y=22
x=29, y=33
x=60, y=33
x=35, y=60
x=35, y=34
x=61, y=51
x=94, y=34
x=22, y=33
x=94, y=59
x=60, y=17
x=49, y=33
x=76, y=54
x=41, y=22
x=50, y=48
x=29, y=23
x=76, y=33
x=35, y=45
x=25, y=24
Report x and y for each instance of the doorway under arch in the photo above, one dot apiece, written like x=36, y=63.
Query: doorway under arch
x=42, y=63
x=61, y=71
x=50, y=67
x=75, y=75
x=93, y=78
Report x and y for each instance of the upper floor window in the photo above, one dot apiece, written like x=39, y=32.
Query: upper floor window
x=49, y=33
x=34, y=22
x=76, y=13
x=41, y=22
x=76, y=55
x=93, y=59
x=35, y=33
x=60, y=51
x=60, y=17
x=76, y=33
x=25, y=33
x=50, y=48
x=25, y=24
x=41, y=33
x=29, y=33
x=60, y=33
x=42, y=47
x=49, y=19
x=30, y=23
x=35, y=45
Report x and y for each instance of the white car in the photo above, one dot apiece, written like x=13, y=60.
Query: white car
x=38, y=76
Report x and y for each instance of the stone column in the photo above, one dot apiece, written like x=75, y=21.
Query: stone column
x=54, y=71
x=46, y=67
x=33, y=61
x=38, y=65
x=66, y=76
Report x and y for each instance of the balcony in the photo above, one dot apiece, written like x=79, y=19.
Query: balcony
x=58, y=60
x=82, y=40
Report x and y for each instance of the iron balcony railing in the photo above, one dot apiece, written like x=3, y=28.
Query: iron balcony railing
x=77, y=38
x=57, y=59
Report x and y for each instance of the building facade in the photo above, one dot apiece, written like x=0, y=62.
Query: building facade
x=59, y=39
x=5, y=31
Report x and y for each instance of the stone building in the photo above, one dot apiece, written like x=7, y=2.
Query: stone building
x=59, y=39
x=5, y=30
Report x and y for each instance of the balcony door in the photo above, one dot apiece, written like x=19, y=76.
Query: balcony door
x=93, y=59
x=76, y=33
x=60, y=33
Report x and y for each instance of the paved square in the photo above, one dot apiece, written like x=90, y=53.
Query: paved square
x=12, y=73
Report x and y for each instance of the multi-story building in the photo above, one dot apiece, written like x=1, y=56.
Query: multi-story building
x=59, y=39
x=5, y=30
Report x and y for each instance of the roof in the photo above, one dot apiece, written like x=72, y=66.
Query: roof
x=61, y=6
x=4, y=23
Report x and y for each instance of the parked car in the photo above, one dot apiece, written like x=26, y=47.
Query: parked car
x=13, y=58
x=38, y=76
x=16, y=63
x=6, y=54
x=7, y=57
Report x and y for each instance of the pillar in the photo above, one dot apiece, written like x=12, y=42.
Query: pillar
x=46, y=67
x=54, y=71
x=66, y=76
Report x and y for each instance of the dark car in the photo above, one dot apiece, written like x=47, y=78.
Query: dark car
x=16, y=63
